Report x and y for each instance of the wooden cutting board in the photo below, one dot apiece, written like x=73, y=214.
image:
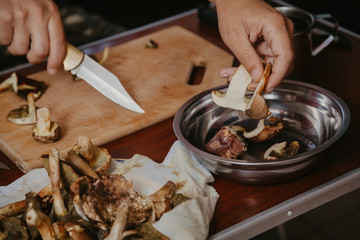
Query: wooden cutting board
x=155, y=78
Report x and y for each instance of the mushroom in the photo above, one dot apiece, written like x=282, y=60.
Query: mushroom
x=45, y=130
x=254, y=107
x=13, y=228
x=60, y=231
x=23, y=86
x=161, y=199
x=77, y=232
x=98, y=158
x=54, y=172
x=117, y=231
x=35, y=217
x=282, y=150
x=80, y=165
x=67, y=174
x=227, y=144
x=264, y=132
x=25, y=114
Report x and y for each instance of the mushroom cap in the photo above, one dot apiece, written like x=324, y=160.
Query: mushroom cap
x=52, y=136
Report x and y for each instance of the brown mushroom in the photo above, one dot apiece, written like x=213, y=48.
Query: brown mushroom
x=45, y=130
x=80, y=165
x=35, y=217
x=282, y=150
x=23, y=86
x=227, y=144
x=98, y=158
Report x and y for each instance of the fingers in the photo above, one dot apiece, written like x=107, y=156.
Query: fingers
x=35, y=29
x=21, y=35
x=57, y=51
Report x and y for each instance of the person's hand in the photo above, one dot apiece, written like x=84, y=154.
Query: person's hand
x=253, y=31
x=33, y=28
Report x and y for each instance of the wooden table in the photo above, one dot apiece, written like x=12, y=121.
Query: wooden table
x=244, y=211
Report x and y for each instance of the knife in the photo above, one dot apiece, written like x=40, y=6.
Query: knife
x=3, y=166
x=98, y=77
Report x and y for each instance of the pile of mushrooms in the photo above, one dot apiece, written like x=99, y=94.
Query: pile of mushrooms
x=83, y=201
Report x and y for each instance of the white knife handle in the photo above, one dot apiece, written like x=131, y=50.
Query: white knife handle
x=73, y=57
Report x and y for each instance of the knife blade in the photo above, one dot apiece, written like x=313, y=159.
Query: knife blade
x=98, y=77
x=3, y=166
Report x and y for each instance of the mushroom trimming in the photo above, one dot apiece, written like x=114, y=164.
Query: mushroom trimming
x=235, y=97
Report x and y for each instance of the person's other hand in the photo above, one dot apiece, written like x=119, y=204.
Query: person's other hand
x=33, y=28
x=253, y=31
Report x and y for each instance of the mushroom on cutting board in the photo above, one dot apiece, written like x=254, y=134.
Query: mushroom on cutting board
x=45, y=130
x=25, y=114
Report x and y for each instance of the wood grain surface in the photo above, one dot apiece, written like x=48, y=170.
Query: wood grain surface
x=157, y=79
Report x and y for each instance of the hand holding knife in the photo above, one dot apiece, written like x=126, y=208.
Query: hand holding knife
x=98, y=77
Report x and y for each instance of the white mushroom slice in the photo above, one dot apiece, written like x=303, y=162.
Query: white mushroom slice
x=260, y=126
x=25, y=114
x=54, y=172
x=235, y=98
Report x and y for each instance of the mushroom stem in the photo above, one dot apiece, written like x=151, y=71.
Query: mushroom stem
x=54, y=172
x=80, y=165
x=85, y=149
x=118, y=227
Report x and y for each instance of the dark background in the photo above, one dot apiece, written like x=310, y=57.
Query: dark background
x=107, y=17
x=139, y=12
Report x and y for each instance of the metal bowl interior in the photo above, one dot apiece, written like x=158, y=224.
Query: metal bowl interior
x=313, y=116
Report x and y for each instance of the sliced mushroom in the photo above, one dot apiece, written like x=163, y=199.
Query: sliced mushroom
x=282, y=150
x=227, y=144
x=254, y=107
x=264, y=132
x=25, y=114
x=98, y=158
x=45, y=130
x=23, y=86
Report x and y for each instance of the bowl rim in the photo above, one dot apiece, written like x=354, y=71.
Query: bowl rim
x=287, y=161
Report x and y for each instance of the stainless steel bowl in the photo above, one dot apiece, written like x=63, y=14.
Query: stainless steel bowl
x=314, y=116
